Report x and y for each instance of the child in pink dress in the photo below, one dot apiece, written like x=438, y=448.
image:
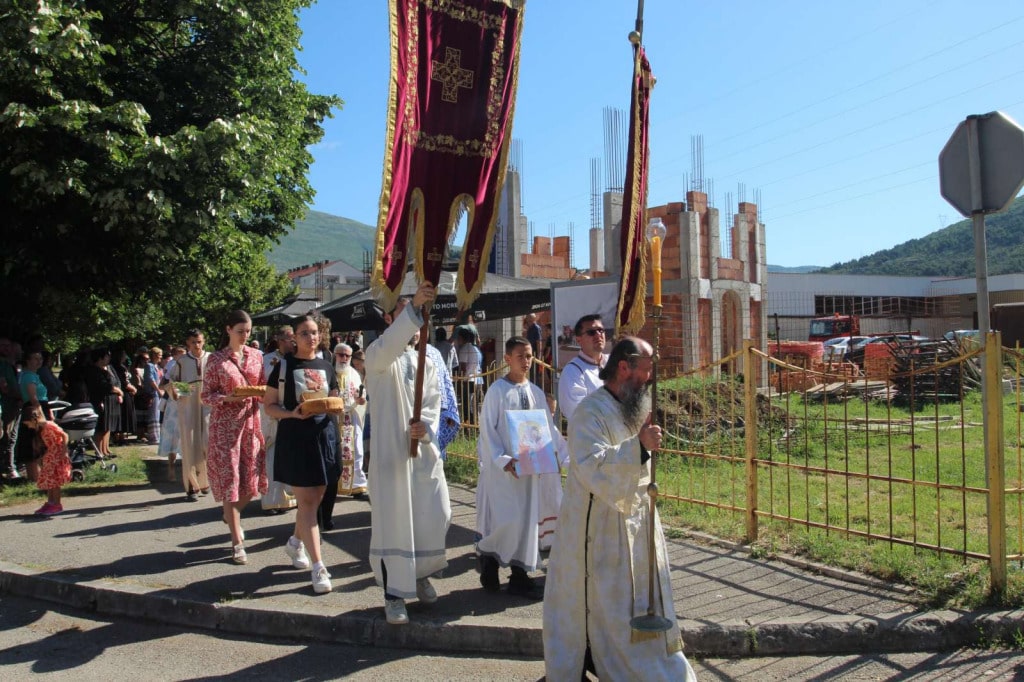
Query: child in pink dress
x=56, y=466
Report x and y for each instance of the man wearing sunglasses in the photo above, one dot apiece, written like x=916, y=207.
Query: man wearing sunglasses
x=579, y=377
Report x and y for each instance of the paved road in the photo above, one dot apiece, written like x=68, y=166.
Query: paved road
x=41, y=641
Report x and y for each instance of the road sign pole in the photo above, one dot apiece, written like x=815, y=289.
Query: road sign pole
x=978, y=220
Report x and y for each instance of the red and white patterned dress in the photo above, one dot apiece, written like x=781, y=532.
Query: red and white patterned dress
x=56, y=467
x=235, y=454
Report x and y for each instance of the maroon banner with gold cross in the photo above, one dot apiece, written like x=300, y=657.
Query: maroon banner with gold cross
x=633, y=286
x=454, y=71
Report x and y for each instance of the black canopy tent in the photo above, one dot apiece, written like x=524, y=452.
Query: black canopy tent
x=287, y=311
x=501, y=297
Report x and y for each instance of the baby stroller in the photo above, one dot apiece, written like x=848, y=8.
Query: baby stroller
x=79, y=422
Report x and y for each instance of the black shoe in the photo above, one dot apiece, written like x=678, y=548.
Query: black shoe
x=522, y=585
x=328, y=525
x=360, y=496
x=489, y=573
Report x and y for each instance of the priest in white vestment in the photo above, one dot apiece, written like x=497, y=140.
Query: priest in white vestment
x=350, y=424
x=598, y=571
x=411, y=511
x=506, y=503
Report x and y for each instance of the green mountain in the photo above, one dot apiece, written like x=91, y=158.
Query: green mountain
x=796, y=269
x=322, y=236
x=949, y=252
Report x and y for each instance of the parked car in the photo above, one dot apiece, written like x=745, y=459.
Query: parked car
x=961, y=336
x=856, y=352
x=837, y=349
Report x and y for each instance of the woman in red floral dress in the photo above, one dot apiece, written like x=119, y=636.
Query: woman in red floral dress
x=236, y=452
x=56, y=468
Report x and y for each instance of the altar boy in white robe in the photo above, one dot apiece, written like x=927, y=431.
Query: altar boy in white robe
x=598, y=571
x=507, y=503
x=411, y=511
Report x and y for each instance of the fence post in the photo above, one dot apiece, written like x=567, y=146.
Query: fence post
x=995, y=465
x=750, y=434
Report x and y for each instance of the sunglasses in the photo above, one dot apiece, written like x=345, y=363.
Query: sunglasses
x=594, y=331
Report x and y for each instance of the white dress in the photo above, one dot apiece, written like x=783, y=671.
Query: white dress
x=506, y=507
x=193, y=420
x=598, y=570
x=411, y=511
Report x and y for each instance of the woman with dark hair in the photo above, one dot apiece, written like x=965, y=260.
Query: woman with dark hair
x=130, y=383
x=105, y=394
x=34, y=394
x=147, y=394
x=306, y=452
x=235, y=453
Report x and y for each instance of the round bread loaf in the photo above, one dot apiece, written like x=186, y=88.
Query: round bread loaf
x=322, y=406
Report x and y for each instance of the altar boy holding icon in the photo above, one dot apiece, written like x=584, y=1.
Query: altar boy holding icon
x=514, y=447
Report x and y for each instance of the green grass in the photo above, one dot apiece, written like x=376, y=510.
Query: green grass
x=131, y=470
x=818, y=467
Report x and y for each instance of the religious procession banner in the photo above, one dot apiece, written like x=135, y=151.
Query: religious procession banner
x=454, y=71
x=633, y=289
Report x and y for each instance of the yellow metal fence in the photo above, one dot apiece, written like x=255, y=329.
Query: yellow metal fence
x=911, y=455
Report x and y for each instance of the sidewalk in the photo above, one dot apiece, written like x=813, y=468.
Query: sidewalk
x=146, y=552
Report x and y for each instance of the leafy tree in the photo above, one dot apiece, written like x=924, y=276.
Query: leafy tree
x=153, y=149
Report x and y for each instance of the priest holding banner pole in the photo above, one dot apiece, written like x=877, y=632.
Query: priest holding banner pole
x=608, y=606
x=454, y=71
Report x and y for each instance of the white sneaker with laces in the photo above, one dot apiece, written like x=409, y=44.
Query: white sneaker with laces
x=238, y=554
x=322, y=581
x=425, y=592
x=394, y=611
x=298, y=555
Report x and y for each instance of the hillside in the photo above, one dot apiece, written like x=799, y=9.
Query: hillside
x=795, y=269
x=949, y=252
x=322, y=236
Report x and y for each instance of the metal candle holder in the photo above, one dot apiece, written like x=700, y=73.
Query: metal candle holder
x=652, y=622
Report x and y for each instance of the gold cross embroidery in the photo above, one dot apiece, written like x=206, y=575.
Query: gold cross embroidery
x=451, y=75
x=434, y=256
x=474, y=258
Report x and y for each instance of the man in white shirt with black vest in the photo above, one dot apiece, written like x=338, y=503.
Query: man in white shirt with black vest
x=579, y=376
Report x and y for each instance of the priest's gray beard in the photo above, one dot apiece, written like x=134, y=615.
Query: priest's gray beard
x=636, y=405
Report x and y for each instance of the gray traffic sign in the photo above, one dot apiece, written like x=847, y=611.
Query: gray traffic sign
x=981, y=168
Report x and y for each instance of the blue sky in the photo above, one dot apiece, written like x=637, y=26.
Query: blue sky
x=835, y=118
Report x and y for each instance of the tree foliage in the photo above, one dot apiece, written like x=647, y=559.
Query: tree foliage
x=153, y=149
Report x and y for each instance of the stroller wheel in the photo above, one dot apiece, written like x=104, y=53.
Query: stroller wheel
x=77, y=475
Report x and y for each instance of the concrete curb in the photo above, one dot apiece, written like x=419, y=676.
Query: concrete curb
x=931, y=631
x=490, y=634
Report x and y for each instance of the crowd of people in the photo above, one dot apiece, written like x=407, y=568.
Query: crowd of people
x=292, y=426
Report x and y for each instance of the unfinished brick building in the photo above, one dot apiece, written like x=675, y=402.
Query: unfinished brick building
x=711, y=301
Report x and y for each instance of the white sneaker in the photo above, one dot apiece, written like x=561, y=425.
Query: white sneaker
x=322, y=581
x=238, y=554
x=425, y=592
x=298, y=555
x=394, y=611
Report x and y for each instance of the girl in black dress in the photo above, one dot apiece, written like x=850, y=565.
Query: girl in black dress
x=306, y=450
